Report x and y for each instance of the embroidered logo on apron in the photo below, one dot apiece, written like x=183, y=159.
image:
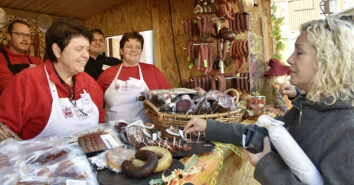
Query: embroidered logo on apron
x=68, y=113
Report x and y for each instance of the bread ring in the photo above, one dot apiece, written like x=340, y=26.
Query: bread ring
x=149, y=166
x=165, y=158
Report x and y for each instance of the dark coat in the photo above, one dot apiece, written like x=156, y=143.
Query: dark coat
x=324, y=132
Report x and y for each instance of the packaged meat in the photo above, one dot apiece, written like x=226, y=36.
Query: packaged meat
x=98, y=141
x=45, y=161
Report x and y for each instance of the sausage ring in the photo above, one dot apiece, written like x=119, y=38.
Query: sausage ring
x=148, y=168
x=165, y=158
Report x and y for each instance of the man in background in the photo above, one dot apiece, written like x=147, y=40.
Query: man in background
x=98, y=62
x=14, y=57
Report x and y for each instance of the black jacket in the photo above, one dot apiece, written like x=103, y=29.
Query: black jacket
x=94, y=67
x=324, y=132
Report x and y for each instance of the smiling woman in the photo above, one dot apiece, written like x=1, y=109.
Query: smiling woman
x=123, y=83
x=70, y=100
x=321, y=122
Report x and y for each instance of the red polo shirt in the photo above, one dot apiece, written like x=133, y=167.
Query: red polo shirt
x=5, y=73
x=26, y=103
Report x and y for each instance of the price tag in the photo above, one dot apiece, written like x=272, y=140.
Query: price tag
x=205, y=63
x=154, y=136
x=190, y=66
x=109, y=141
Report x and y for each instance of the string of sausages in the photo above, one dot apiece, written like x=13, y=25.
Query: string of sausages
x=239, y=51
x=202, y=56
x=241, y=22
x=199, y=28
x=241, y=83
x=224, y=9
x=218, y=82
x=208, y=82
x=204, y=6
x=202, y=27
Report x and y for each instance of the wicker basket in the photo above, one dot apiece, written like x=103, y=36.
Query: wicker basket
x=163, y=120
x=6, y=133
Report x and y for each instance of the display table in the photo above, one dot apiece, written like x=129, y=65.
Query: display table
x=224, y=165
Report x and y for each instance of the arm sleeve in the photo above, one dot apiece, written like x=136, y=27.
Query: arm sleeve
x=272, y=170
x=11, y=107
x=224, y=132
x=162, y=81
x=337, y=164
x=5, y=73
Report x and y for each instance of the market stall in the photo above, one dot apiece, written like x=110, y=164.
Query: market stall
x=214, y=51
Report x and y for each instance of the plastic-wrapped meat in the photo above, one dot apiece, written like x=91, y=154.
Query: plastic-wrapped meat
x=205, y=108
x=161, y=99
x=185, y=97
x=223, y=104
x=182, y=106
x=135, y=135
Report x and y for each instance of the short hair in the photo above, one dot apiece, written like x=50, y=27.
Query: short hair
x=98, y=31
x=333, y=41
x=131, y=35
x=11, y=25
x=61, y=32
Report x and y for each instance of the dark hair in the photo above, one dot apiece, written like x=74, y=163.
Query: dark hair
x=98, y=31
x=11, y=25
x=131, y=35
x=61, y=32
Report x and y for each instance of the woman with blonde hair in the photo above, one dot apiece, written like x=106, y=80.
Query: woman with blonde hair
x=321, y=120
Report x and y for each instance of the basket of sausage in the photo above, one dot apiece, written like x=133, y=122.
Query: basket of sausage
x=175, y=107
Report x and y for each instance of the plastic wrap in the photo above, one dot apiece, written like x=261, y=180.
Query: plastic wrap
x=45, y=162
x=292, y=154
x=98, y=138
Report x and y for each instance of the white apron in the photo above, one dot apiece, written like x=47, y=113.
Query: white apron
x=66, y=118
x=121, y=99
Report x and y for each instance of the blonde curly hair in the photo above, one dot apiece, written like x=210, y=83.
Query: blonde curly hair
x=333, y=40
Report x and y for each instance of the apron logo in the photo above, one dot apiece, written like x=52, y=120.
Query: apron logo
x=116, y=87
x=68, y=113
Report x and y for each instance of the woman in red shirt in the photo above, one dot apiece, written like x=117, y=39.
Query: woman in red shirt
x=123, y=83
x=56, y=98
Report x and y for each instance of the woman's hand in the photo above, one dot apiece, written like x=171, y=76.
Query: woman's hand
x=287, y=89
x=254, y=158
x=195, y=125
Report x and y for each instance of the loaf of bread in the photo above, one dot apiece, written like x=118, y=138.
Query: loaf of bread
x=116, y=156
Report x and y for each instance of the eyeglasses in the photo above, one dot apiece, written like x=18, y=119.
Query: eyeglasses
x=22, y=34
